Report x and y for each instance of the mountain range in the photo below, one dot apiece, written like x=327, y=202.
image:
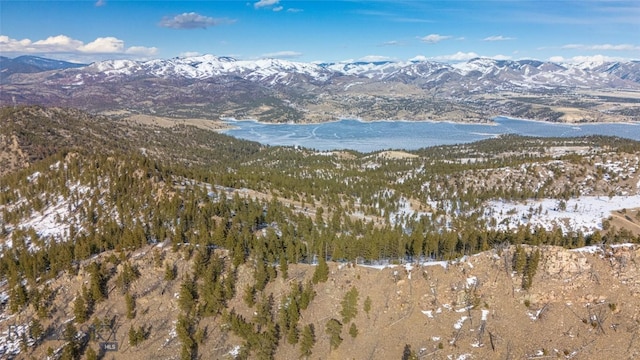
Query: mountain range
x=288, y=91
x=31, y=64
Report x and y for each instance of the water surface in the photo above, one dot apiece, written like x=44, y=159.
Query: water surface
x=409, y=135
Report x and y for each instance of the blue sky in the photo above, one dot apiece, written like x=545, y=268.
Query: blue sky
x=327, y=31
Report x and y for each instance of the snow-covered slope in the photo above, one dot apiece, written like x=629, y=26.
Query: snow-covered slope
x=479, y=73
x=209, y=66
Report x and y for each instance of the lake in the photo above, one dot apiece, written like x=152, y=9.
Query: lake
x=410, y=135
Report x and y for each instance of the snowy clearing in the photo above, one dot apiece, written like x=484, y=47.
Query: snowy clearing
x=584, y=213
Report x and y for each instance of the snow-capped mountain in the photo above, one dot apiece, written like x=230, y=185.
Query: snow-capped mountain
x=289, y=90
x=476, y=73
x=208, y=66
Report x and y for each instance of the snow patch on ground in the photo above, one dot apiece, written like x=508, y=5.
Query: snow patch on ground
x=599, y=249
x=460, y=322
x=235, y=351
x=584, y=213
x=472, y=281
x=11, y=338
x=408, y=267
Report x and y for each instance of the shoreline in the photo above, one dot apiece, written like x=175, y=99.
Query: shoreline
x=491, y=122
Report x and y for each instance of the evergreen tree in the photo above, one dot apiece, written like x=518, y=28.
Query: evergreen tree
x=91, y=354
x=130, y=302
x=80, y=309
x=35, y=330
x=334, y=329
x=185, y=330
x=292, y=334
x=18, y=297
x=321, y=274
x=284, y=268
x=137, y=336
x=97, y=283
x=307, y=340
x=349, y=305
x=367, y=305
x=353, y=330
x=249, y=295
x=307, y=295
x=531, y=269
x=519, y=260
x=170, y=272
x=408, y=354
x=188, y=295
x=71, y=349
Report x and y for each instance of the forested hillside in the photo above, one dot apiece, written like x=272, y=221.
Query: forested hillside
x=207, y=246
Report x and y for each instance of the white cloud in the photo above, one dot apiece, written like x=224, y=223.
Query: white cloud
x=391, y=43
x=434, y=38
x=419, y=58
x=101, y=3
x=294, y=10
x=497, y=38
x=192, y=20
x=62, y=44
x=601, y=47
x=142, y=50
x=265, y=3
x=190, y=54
x=459, y=56
x=282, y=55
x=594, y=59
x=103, y=45
x=374, y=58
x=278, y=8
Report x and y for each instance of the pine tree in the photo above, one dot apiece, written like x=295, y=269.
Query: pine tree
x=293, y=334
x=321, y=274
x=184, y=330
x=80, y=309
x=353, y=330
x=97, y=283
x=349, y=305
x=519, y=260
x=18, y=297
x=91, y=354
x=334, y=329
x=284, y=268
x=367, y=305
x=307, y=340
x=187, y=296
x=137, y=336
x=35, y=330
x=531, y=269
x=170, y=272
x=249, y=295
x=307, y=295
x=409, y=354
x=71, y=348
x=130, y=301
x=261, y=275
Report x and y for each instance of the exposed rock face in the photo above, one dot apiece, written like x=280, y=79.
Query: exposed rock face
x=580, y=305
